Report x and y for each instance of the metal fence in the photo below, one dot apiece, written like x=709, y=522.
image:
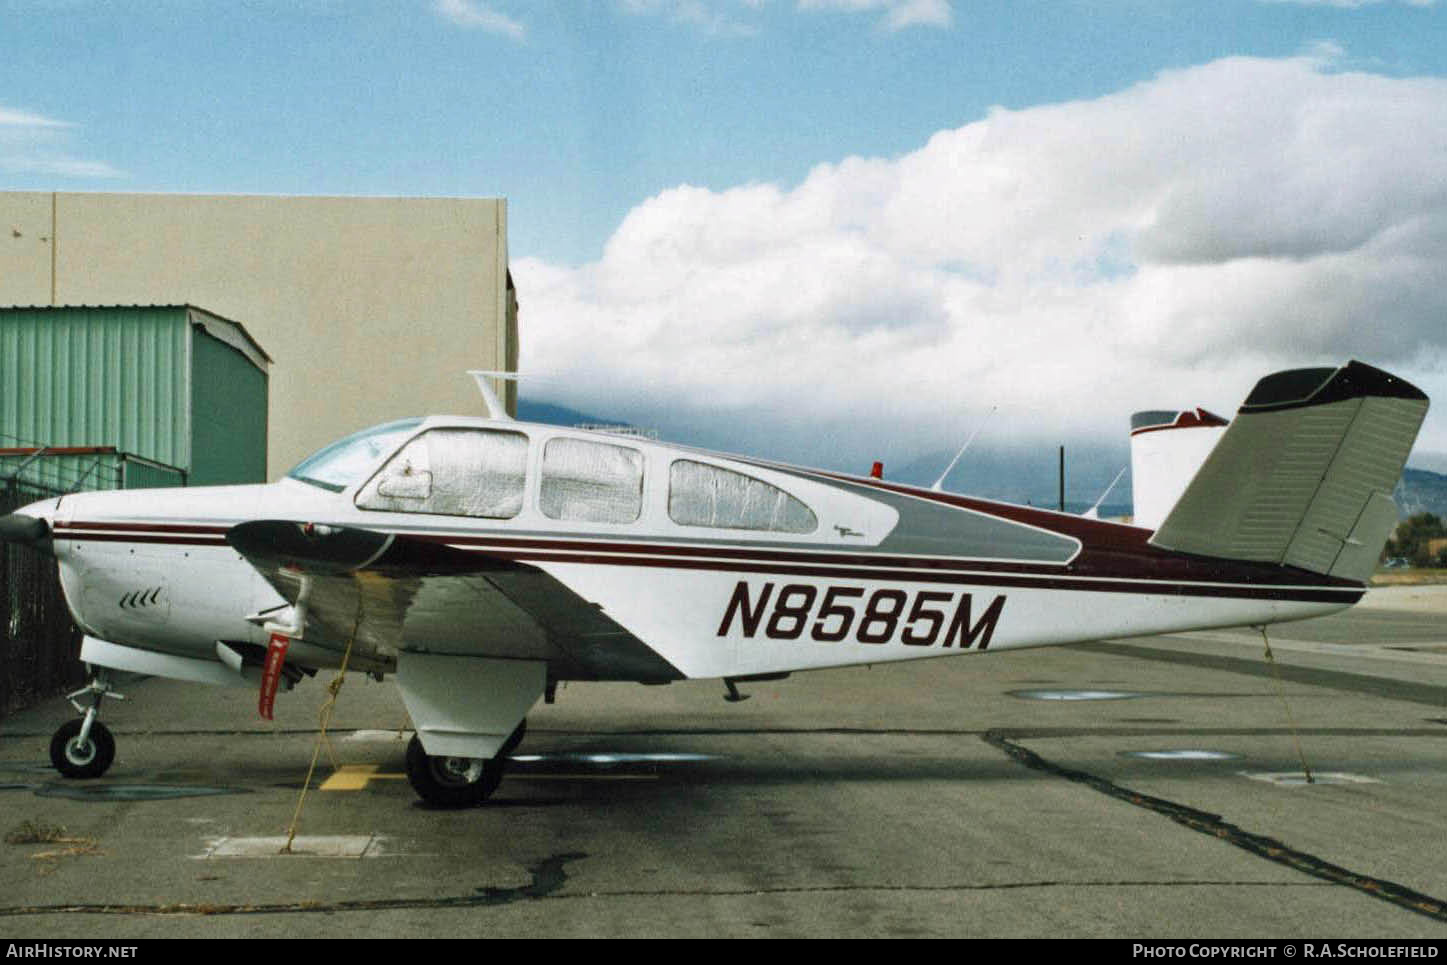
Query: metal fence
x=70, y=469
x=39, y=645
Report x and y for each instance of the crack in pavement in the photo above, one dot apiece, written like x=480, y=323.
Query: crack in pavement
x=1215, y=826
x=547, y=877
x=540, y=890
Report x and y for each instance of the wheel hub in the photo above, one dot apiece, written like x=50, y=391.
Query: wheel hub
x=80, y=754
x=459, y=770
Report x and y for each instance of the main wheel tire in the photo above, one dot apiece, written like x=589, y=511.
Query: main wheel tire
x=74, y=759
x=452, y=782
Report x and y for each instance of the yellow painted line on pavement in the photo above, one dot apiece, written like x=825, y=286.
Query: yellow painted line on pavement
x=356, y=777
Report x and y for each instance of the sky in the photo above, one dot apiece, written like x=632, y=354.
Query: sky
x=827, y=231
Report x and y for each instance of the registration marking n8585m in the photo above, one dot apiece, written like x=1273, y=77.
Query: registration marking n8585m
x=919, y=619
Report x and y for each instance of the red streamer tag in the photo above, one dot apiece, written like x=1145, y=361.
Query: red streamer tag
x=271, y=673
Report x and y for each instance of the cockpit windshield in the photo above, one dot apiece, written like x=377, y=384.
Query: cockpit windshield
x=346, y=461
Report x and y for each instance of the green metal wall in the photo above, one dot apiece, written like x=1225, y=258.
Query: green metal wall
x=143, y=380
x=97, y=376
x=228, y=415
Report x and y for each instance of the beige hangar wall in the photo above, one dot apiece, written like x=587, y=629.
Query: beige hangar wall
x=371, y=307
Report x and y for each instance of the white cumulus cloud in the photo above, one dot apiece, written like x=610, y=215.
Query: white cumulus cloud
x=1161, y=246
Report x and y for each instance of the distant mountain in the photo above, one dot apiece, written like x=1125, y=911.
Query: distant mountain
x=1431, y=461
x=1421, y=491
x=1029, y=475
x=556, y=415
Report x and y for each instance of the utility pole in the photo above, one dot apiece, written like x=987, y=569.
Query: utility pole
x=1062, y=479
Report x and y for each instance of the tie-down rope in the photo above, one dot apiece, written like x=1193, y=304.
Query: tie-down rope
x=324, y=717
x=1281, y=692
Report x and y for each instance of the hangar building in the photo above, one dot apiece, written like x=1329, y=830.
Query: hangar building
x=372, y=308
x=128, y=398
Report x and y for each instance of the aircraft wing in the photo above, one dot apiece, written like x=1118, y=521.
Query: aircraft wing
x=401, y=593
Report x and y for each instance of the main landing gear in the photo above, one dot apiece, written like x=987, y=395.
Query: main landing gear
x=457, y=782
x=85, y=748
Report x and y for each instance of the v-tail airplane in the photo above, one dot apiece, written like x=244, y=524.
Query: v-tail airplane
x=481, y=561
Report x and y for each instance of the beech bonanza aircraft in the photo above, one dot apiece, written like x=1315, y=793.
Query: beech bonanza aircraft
x=482, y=561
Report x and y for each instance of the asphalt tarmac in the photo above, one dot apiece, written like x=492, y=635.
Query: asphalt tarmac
x=1150, y=787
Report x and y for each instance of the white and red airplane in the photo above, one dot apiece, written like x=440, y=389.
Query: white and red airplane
x=483, y=560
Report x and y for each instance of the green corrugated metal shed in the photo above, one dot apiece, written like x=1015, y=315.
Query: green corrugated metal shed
x=178, y=392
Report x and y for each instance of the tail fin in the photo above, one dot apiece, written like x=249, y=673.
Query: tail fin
x=1166, y=449
x=1304, y=474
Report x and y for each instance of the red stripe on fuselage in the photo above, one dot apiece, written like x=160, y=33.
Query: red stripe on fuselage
x=184, y=534
x=143, y=527
x=141, y=538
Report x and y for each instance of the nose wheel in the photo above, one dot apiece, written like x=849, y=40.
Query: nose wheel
x=85, y=748
x=458, y=782
x=82, y=756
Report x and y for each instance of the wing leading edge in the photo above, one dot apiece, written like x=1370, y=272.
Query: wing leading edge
x=401, y=593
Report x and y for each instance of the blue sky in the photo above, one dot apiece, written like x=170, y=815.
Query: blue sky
x=592, y=106
x=809, y=206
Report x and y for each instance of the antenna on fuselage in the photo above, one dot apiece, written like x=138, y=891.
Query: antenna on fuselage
x=1094, y=511
x=495, y=408
x=950, y=468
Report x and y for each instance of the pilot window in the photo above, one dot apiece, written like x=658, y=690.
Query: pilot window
x=453, y=472
x=591, y=482
x=703, y=495
x=347, y=461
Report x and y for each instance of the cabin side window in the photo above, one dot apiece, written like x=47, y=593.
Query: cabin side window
x=453, y=472
x=591, y=482
x=704, y=495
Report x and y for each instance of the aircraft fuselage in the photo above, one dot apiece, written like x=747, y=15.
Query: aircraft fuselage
x=886, y=572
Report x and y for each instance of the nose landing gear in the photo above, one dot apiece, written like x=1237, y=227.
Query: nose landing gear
x=85, y=748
